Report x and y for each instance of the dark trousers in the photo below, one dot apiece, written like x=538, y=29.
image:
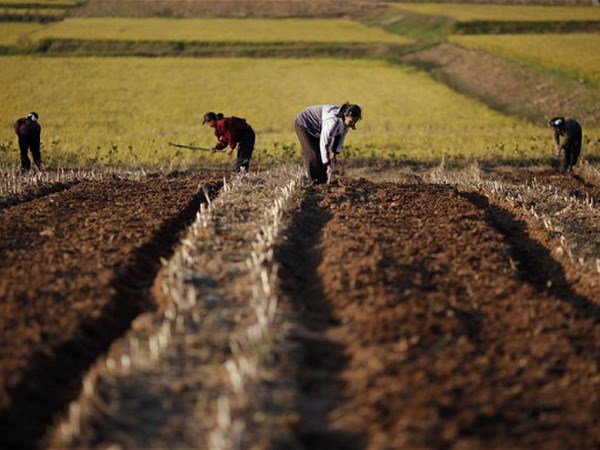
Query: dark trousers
x=316, y=171
x=245, y=149
x=571, y=155
x=26, y=144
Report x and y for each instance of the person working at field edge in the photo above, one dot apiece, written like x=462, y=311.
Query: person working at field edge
x=567, y=136
x=28, y=132
x=321, y=130
x=231, y=131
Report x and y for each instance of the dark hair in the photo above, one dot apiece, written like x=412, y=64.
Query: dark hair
x=210, y=116
x=349, y=109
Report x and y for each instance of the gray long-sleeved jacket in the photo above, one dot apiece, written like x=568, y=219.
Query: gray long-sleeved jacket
x=322, y=121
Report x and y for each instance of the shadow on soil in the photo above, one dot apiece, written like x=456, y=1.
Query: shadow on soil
x=534, y=261
x=318, y=361
x=54, y=380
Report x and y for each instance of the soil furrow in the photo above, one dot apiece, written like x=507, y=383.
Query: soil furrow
x=445, y=343
x=34, y=193
x=76, y=269
x=570, y=184
x=319, y=357
x=182, y=360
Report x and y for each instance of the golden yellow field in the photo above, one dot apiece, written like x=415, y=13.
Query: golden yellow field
x=11, y=33
x=469, y=12
x=219, y=30
x=126, y=110
x=577, y=53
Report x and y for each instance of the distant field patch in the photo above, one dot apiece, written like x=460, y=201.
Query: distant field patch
x=228, y=8
x=10, y=11
x=575, y=54
x=13, y=33
x=509, y=13
x=219, y=30
x=125, y=111
x=39, y=3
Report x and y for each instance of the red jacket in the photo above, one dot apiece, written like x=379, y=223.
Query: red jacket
x=229, y=131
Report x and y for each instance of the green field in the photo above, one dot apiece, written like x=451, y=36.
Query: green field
x=115, y=110
x=577, y=54
x=476, y=12
x=219, y=30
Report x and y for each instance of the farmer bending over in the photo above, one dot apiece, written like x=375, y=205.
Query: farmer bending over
x=231, y=131
x=321, y=130
x=28, y=132
x=567, y=136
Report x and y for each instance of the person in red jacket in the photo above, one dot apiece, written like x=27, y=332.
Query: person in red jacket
x=28, y=131
x=232, y=131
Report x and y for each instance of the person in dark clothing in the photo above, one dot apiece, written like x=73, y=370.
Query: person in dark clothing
x=567, y=136
x=232, y=131
x=321, y=130
x=29, y=131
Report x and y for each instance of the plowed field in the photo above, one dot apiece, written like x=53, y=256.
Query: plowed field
x=433, y=319
x=441, y=310
x=76, y=267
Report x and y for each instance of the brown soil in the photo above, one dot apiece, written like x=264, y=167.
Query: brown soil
x=76, y=267
x=435, y=319
x=256, y=8
x=571, y=184
x=421, y=316
x=230, y=8
x=510, y=87
x=33, y=193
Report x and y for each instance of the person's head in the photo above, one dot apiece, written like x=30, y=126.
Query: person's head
x=33, y=116
x=351, y=114
x=557, y=123
x=210, y=119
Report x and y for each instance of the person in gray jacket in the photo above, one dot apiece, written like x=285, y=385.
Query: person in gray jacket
x=567, y=136
x=321, y=130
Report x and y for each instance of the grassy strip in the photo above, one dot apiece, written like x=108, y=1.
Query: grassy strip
x=434, y=21
x=420, y=27
x=503, y=27
x=9, y=16
x=29, y=18
x=437, y=27
x=465, y=12
x=21, y=5
x=20, y=15
x=75, y=47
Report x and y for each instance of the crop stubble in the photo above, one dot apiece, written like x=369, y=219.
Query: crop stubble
x=431, y=315
x=432, y=325
x=77, y=266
